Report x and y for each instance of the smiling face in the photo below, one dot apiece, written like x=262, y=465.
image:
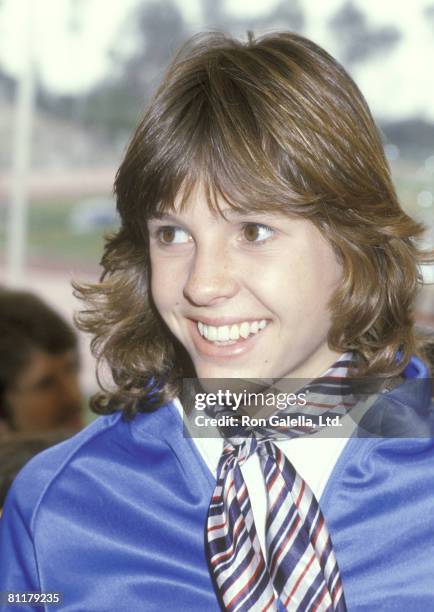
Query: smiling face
x=245, y=294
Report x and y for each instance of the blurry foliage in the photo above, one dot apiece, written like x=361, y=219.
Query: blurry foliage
x=428, y=12
x=7, y=86
x=414, y=137
x=115, y=104
x=75, y=18
x=357, y=39
x=157, y=29
x=285, y=15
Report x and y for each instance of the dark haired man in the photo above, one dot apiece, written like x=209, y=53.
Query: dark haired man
x=39, y=365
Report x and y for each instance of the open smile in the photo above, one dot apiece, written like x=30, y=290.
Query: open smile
x=224, y=333
x=228, y=340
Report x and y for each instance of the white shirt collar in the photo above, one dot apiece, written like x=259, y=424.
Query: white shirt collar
x=313, y=456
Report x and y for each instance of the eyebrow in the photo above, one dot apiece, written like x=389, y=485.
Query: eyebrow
x=231, y=212
x=158, y=216
x=227, y=212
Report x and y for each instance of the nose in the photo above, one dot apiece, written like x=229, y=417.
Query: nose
x=212, y=278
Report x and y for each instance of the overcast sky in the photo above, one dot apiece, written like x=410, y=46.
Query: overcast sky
x=396, y=85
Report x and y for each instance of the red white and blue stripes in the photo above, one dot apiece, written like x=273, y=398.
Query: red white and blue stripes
x=300, y=572
x=301, y=569
x=331, y=395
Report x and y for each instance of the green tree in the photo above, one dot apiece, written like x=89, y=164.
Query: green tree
x=359, y=40
x=115, y=104
x=285, y=15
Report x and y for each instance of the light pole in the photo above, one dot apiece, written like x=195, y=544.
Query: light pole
x=21, y=151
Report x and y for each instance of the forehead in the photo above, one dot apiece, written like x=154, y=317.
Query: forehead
x=202, y=197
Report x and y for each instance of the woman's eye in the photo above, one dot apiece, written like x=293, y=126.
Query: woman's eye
x=257, y=232
x=172, y=235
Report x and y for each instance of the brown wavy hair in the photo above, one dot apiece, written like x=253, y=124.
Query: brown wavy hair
x=272, y=124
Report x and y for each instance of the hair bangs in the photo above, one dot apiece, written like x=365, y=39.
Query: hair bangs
x=228, y=149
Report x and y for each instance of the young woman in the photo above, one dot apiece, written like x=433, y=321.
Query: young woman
x=261, y=238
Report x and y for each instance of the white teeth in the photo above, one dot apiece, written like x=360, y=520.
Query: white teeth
x=224, y=333
x=235, y=332
x=244, y=329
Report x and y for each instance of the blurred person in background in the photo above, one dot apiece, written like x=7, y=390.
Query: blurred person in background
x=39, y=367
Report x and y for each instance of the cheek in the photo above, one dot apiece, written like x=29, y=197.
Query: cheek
x=321, y=285
x=30, y=411
x=322, y=272
x=163, y=285
x=300, y=291
x=47, y=411
x=167, y=293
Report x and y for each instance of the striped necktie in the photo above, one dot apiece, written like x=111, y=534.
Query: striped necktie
x=301, y=572
x=301, y=569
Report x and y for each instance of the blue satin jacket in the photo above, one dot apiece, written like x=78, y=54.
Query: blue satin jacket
x=113, y=518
